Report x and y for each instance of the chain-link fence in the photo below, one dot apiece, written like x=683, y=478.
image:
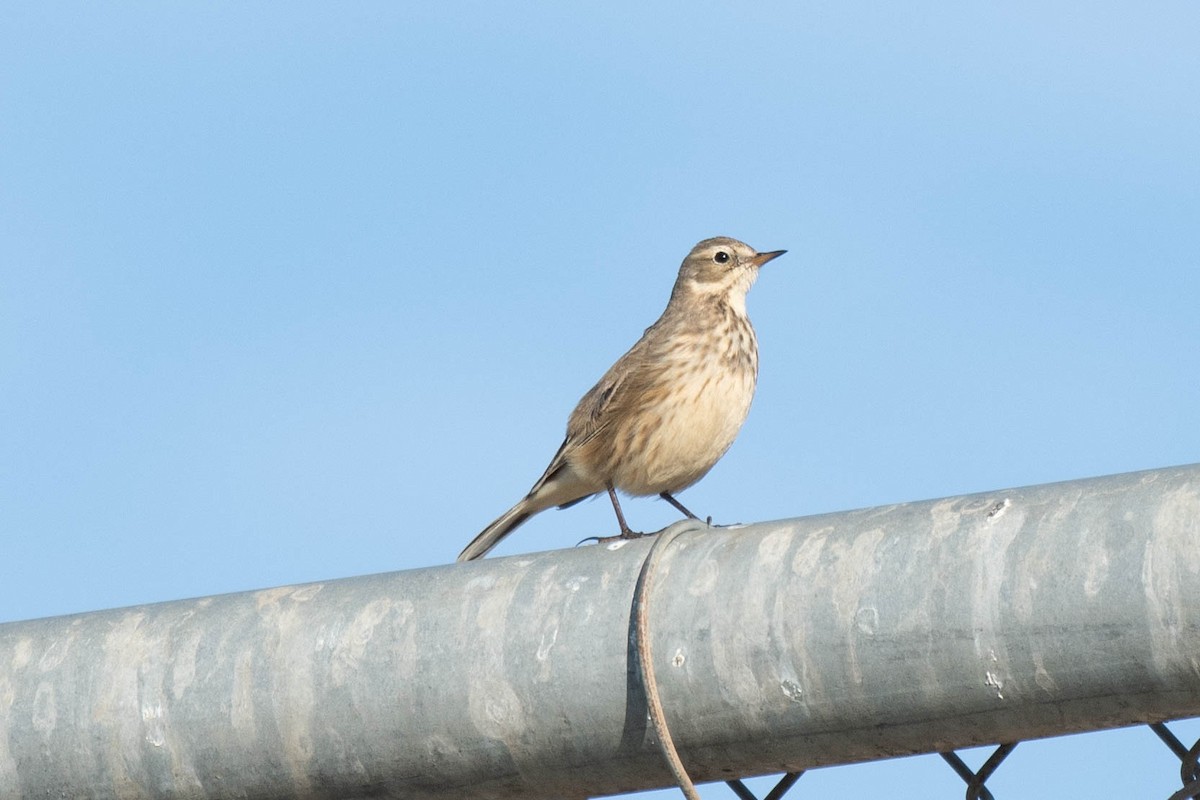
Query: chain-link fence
x=1022, y=780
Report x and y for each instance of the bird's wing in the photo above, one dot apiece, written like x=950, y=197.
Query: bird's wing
x=556, y=464
x=593, y=414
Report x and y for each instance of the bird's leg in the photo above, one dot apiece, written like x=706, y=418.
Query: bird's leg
x=667, y=496
x=626, y=533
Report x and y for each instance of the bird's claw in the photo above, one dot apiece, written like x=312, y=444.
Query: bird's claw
x=684, y=524
x=620, y=537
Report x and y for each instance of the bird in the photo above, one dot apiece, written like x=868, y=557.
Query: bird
x=667, y=410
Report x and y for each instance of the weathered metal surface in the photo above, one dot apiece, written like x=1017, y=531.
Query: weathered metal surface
x=779, y=646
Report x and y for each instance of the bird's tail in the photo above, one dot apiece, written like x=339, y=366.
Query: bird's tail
x=490, y=536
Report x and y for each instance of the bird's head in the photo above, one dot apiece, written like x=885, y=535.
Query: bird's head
x=721, y=267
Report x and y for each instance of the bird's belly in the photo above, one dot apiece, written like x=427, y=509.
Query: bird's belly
x=686, y=432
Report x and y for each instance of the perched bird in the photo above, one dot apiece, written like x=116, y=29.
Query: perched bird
x=662, y=416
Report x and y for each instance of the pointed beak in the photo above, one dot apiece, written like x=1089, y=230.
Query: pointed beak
x=763, y=258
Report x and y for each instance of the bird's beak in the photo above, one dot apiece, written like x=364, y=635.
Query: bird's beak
x=763, y=258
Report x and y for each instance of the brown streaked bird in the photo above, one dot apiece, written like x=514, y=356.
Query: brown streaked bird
x=666, y=412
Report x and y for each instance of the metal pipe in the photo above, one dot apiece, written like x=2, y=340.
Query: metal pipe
x=779, y=646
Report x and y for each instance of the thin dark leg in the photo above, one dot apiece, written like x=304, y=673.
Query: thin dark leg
x=626, y=533
x=667, y=496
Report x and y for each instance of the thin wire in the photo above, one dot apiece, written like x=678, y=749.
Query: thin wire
x=1169, y=739
x=781, y=788
x=1189, y=774
x=976, y=790
x=658, y=717
x=1188, y=792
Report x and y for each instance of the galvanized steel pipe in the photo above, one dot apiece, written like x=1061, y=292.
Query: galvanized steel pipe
x=823, y=640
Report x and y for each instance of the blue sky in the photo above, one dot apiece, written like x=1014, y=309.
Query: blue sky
x=289, y=294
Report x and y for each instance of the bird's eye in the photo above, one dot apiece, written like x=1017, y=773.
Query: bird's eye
x=721, y=257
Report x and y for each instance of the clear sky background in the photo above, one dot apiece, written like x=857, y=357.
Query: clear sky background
x=290, y=293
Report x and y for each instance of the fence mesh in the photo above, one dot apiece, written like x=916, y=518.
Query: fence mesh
x=790, y=786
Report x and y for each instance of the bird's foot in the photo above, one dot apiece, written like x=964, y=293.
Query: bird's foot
x=622, y=536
